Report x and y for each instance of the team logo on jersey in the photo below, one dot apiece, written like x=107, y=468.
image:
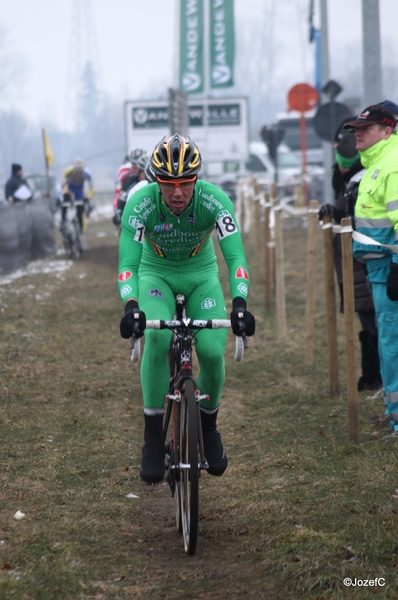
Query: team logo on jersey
x=155, y=293
x=125, y=275
x=242, y=287
x=241, y=273
x=208, y=303
x=191, y=218
x=163, y=227
x=162, y=216
x=134, y=222
x=126, y=289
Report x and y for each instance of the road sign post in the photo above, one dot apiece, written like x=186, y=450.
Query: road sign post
x=303, y=98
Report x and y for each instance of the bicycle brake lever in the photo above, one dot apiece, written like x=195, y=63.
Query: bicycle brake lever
x=244, y=339
x=241, y=323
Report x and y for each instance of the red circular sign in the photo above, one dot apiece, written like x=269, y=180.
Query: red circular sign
x=302, y=97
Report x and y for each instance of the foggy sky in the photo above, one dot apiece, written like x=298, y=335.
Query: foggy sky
x=135, y=46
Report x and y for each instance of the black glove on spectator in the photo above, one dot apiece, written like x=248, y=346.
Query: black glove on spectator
x=392, y=282
x=328, y=209
x=248, y=326
x=133, y=322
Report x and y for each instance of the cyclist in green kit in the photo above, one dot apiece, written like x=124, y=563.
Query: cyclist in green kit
x=166, y=249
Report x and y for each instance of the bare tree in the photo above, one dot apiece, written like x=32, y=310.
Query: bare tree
x=12, y=69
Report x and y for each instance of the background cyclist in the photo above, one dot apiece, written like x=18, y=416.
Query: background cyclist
x=76, y=178
x=166, y=248
x=129, y=177
x=145, y=176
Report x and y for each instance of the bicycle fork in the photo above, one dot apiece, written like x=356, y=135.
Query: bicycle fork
x=173, y=453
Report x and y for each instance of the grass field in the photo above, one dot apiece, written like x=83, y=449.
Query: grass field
x=299, y=509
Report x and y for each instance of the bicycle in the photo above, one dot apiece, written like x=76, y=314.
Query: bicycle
x=185, y=458
x=70, y=228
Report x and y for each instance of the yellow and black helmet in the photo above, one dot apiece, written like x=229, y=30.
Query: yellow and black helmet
x=176, y=156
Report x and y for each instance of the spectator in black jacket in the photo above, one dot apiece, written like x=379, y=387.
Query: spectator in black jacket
x=15, y=183
x=347, y=174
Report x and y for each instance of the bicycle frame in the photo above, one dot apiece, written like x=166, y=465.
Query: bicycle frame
x=185, y=456
x=70, y=230
x=181, y=371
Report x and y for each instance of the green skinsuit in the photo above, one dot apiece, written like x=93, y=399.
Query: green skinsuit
x=162, y=255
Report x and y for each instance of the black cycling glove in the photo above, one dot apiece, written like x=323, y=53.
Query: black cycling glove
x=133, y=322
x=328, y=209
x=117, y=217
x=245, y=324
x=392, y=282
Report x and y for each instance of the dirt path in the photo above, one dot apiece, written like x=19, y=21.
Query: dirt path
x=298, y=509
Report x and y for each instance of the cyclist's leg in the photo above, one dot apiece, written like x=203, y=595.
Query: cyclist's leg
x=64, y=210
x=207, y=302
x=157, y=301
x=65, y=205
x=80, y=216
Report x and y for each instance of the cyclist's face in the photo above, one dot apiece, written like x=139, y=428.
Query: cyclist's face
x=177, y=197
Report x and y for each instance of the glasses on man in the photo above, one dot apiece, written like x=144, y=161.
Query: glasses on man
x=171, y=184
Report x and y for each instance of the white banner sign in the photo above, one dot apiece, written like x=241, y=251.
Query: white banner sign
x=220, y=127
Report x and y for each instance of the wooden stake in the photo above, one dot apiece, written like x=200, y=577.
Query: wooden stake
x=311, y=264
x=269, y=254
x=238, y=204
x=279, y=274
x=330, y=297
x=349, y=317
x=257, y=218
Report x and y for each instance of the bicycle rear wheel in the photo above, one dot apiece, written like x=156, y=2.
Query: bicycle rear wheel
x=189, y=468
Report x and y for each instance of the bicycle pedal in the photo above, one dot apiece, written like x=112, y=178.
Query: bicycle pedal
x=172, y=484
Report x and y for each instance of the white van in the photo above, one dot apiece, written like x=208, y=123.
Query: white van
x=226, y=173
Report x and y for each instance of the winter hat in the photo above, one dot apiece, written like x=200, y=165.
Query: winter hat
x=340, y=132
x=389, y=105
x=346, y=151
x=15, y=169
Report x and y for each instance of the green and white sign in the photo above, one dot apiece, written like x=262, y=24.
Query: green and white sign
x=222, y=43
x=191, y=46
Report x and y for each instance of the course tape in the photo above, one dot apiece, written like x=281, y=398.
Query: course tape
x=359, y=237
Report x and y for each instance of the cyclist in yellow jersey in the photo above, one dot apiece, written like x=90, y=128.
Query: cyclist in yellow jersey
x=76, y=177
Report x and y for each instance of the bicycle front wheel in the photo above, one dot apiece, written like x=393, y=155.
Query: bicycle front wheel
x=189, y=468
x=78, y=243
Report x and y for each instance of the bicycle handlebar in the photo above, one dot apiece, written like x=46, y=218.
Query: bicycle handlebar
x=189, y=324
x=240, y=341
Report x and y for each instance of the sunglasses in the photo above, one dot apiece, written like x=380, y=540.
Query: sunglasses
x=170, y=185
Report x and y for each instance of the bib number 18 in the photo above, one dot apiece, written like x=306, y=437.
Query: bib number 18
x=225, y=226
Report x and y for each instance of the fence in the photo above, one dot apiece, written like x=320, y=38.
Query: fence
x=263, y=211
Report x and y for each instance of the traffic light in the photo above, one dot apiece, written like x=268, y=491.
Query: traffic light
x=272, y=137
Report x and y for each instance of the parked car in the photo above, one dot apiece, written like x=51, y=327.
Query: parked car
x=226, y=173
x=38, y=184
